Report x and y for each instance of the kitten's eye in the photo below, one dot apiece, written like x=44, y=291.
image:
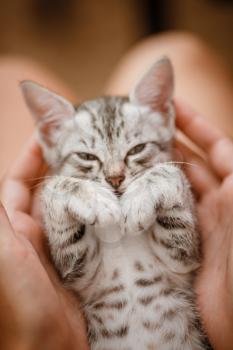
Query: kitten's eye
x=136, y=149
x=87, y=156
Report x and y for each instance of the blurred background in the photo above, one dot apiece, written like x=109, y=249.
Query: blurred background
x=82, y=40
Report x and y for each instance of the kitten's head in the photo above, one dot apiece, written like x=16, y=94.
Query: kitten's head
x=109, y=139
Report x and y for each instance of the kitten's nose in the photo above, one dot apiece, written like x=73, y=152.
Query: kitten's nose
x=115, y=181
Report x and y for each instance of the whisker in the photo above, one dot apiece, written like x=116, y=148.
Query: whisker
x=180, y=162
x=39, y=178
x=43, y=179
x=35, y=186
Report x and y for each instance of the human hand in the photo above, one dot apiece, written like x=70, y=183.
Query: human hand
x=36, y=311
x=212, y=181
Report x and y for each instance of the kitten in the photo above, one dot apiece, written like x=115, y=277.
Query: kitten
x=119, y=215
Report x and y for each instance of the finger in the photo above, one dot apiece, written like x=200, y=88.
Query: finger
x=201, y=177
x=6, y=230
x=16, y=189
x=25, y=226
x=221, y=156
x=30, y=164
x=15, y=196
x=35, y=209
x=195, y=127
x=22, y=225
x=218, y=147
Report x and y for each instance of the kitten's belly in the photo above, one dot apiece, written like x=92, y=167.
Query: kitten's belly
x=133, y=304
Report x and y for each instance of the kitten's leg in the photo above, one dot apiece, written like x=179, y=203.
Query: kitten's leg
x=175, y=233
x=71, y=209
x=169, y=222
x=162, y=201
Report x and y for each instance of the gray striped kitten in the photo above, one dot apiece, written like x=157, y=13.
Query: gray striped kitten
x=119, y=215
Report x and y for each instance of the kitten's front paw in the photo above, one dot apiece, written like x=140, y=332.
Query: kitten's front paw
x=138, y=209
x=93, y=204
x=108, y=217
x=107, y=208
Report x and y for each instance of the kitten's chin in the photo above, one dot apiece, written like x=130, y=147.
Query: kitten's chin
x=118, y=193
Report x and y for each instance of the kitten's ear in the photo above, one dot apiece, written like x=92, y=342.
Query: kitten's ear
x=48, y=108
x=155, y=88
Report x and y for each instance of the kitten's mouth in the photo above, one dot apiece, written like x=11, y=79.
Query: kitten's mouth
x=118, y=193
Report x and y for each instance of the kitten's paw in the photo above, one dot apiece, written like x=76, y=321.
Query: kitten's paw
x=138, y=210
x=107, y=209
x=93, y=204
x=81, y=210
x=108, y=217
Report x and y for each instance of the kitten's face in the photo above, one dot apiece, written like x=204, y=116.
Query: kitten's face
x=111, y=139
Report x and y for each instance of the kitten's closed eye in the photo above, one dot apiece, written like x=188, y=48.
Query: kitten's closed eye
x=87, y=156
x=137, y=149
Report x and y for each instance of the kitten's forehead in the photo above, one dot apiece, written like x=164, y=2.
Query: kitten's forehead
x=101, y=119
x=112, y=119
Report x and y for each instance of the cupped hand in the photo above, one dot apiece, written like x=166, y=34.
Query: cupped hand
x=36, y=311
x=211, y=176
